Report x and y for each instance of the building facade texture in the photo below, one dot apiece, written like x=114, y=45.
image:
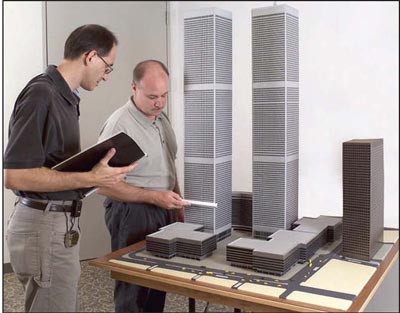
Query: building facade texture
x=275, y=60
x=208, y=118
x=363, y=197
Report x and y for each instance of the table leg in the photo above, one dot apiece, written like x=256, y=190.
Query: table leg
x=192, y=305
x=237, y=310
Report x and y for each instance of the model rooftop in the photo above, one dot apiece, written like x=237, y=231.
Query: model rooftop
x=284, y=248
x=186, y=232
x=366, y=141
x=280, y=245
x=316, y=224
x=182, y=239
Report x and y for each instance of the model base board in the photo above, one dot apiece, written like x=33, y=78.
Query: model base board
x=328, y=279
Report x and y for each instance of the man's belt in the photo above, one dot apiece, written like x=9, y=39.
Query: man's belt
x=73, y=206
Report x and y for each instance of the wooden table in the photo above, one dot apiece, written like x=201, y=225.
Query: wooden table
x=240, y=299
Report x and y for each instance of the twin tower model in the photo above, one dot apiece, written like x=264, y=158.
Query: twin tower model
x=208, y=118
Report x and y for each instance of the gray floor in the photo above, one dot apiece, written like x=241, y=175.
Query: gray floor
x=95, y=292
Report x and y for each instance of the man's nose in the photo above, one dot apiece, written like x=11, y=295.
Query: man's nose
x=105, y=77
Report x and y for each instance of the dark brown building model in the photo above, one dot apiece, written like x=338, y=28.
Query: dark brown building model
x=242, y=210
x=362, y=197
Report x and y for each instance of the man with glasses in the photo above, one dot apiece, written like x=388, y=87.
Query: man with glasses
x=43, y=231
x=149, y=196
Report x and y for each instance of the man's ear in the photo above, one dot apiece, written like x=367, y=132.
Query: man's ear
x=89, y=56
x=133, y=86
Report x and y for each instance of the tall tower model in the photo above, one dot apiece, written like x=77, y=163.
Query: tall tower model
x=208, y=118
x=362, y=197
x=275, y=43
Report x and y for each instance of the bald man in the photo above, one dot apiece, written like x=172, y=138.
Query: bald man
x=149, y=198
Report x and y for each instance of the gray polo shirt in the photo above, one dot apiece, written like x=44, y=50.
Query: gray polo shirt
x=156, y=138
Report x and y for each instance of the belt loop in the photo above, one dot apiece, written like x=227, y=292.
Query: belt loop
x=48, y=206
x=17, y=199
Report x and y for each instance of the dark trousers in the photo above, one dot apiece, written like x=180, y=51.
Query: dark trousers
x=129, y=223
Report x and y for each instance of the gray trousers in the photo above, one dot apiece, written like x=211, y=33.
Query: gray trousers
x=48, y=271
x=129, y=223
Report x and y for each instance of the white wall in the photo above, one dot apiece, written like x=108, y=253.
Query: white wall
x=349, y=75
x=24, y=56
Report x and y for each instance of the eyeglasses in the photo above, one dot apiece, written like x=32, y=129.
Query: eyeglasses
x=109, y=68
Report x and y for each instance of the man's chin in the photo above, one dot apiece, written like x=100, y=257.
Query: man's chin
x=90, y=88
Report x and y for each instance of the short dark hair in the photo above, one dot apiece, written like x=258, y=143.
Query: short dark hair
x=141, y=68
x=87, y=38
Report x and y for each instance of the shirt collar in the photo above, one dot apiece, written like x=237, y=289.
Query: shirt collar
x=62, y=85
x=139, y=116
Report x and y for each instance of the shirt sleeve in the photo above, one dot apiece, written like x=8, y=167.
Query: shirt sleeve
x=25, y=147
x=112, y=127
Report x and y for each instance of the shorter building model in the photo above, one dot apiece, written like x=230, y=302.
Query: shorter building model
x=242, y=208
x=284, y=248
x=181, y=239
x=363, y=197
x=326, y=228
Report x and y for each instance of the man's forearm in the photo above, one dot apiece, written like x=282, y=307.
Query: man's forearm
x=166, y=199
x=128, y=193
x=45, y=180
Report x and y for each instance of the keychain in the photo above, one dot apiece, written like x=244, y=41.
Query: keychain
x=71, y=236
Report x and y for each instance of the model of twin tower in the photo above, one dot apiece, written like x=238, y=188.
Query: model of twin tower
x=275, y=103
x=208, y=118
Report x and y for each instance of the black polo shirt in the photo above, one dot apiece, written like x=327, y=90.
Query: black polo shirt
x=44, y=129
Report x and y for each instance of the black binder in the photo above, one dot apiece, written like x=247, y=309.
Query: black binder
x=127, y=152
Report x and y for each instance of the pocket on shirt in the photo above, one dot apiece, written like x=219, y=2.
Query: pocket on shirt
x=29, y=257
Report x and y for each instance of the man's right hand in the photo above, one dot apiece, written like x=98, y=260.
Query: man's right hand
x=107, y=176
x=168, y=200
